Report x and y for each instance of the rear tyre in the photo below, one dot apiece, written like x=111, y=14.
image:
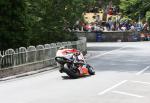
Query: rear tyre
x=72, y=74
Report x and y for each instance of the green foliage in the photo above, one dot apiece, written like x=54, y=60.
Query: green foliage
x=33, y=22
x=125, y=19
x=53, y=18
x=12, y=23
x=148, y=16
x=135, y=8
x=104, y=3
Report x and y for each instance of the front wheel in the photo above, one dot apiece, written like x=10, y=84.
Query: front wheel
x=90, y=70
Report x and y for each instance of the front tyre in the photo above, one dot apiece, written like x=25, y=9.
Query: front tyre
x=90, y=70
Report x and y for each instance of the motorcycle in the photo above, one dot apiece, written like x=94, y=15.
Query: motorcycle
x=72, y=67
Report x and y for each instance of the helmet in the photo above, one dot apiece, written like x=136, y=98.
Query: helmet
x=61, y=48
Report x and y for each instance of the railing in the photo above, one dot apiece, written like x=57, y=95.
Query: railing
x=22, y=56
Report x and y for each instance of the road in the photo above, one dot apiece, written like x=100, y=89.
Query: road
x=122, y=76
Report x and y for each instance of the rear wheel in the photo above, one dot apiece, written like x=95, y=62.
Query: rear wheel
x=71, y=73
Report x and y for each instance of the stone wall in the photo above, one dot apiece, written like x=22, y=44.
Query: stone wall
x=110, y=36
x=22, y=60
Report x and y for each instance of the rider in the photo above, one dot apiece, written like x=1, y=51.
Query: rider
x=67, y=53
x=74, y=53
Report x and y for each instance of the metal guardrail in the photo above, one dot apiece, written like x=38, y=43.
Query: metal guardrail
x=11, y=58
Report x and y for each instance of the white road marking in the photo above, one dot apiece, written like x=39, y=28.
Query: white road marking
x=103, y=92
x=143, y=70
x=148, y=83
x=128, y=94
x=105, y=53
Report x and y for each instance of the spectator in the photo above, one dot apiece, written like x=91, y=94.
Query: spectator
x=123, y=28
x=132, y=28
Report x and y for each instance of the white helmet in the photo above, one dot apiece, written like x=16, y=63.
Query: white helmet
x=62, y=47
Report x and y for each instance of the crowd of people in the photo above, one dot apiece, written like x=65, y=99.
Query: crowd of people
x=113, y=22
x=112, y=25
x=119, y=25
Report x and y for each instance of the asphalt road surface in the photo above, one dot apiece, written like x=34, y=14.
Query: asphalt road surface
x=122, y=76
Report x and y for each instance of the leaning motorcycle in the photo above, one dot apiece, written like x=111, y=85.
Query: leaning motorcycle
x=73, y=68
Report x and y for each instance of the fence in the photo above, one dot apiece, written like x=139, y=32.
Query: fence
x=41, y=55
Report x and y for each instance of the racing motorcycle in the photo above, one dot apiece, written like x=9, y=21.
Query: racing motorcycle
x=72, y=67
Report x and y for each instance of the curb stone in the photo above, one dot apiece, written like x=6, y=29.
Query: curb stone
x=29, y=73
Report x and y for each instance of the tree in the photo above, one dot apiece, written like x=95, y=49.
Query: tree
x=104, y=3
x=33, y=22
x=148, y=17
x=135, y=8
x=13, y=25
x=53, y=18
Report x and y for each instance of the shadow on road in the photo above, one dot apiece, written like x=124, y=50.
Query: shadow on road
x=68, y=78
